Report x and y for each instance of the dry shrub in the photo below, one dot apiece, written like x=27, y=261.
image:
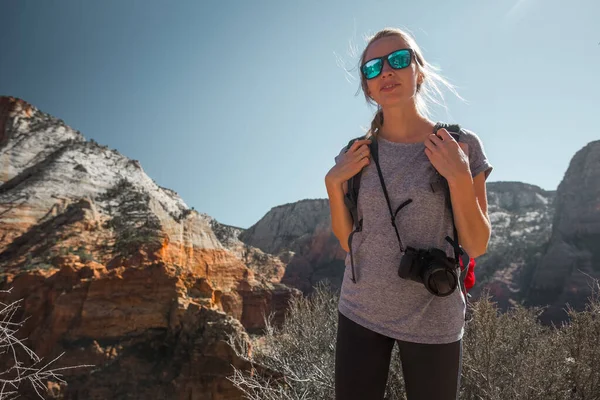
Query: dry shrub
x=506, y=356
x=23, y=371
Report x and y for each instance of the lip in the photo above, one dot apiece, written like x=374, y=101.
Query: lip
x=384, y=89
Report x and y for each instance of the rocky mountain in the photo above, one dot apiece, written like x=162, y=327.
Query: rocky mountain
x=571, y=259
x=118, y=271
x=521, y=217
x=300, y=234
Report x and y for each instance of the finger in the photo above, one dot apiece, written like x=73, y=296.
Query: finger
x=435, y=139
x=428, y=153
x=360, y=163
x=430, y=144
x=444, y=135
x=362, y=148
x=358, y=144
x=361, y=153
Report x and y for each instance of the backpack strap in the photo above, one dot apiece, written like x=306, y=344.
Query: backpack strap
x=351, y=197
x=351, y=201
x=455, y=131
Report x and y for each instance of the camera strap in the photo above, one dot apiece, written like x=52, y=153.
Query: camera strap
x=375, y=156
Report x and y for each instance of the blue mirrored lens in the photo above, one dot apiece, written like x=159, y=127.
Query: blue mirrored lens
x=399, y=59
x=372, y=68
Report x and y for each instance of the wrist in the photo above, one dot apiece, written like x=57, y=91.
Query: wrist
x=332, y=183
x=460, y=180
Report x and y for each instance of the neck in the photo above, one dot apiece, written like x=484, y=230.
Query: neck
x=404, y=124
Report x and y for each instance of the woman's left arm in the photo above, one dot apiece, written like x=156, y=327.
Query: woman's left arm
x=467, y=193
x=469, y=205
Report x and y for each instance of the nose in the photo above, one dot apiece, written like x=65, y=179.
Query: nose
x=386, y=67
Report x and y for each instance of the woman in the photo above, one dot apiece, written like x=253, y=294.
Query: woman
x=377, y=307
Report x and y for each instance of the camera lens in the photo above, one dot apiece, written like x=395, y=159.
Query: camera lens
x=440, y=281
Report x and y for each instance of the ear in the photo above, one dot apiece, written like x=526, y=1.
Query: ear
x=420, y=80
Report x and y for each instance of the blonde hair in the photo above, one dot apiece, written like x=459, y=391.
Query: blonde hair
x=428, y=92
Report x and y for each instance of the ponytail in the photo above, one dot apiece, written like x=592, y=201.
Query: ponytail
x=377, y=122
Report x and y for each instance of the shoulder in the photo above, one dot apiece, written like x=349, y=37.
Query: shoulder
x=341, y=152
x=473, y=141
x=477, y=155
x=347, y=146
x=470, y=137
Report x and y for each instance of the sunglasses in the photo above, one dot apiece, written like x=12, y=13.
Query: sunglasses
x=397, y=59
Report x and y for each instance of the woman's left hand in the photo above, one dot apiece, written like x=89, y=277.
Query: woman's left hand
x=447, y=155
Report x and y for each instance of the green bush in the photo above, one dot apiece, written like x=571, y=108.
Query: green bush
x=84, y=256
x=506, y=355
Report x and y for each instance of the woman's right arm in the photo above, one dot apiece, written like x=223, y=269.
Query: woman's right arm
x=348, y=165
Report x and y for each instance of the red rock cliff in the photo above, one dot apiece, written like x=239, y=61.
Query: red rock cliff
x=117, y=271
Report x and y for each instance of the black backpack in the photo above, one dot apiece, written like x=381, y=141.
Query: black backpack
x=351, y=197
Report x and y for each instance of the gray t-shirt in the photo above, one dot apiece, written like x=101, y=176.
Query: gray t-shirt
x=380, y=300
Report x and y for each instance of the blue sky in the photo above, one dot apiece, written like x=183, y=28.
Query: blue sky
x=240, y=105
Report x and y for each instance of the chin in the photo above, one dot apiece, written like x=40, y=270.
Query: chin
x=396, y=100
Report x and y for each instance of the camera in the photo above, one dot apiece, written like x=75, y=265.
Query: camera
x=430, y=267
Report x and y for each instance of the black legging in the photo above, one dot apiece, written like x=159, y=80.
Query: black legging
x=362, y=360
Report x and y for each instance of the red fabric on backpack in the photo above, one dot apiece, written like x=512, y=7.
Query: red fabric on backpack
x=470, y=278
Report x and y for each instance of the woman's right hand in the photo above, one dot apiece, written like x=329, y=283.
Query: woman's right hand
x=350, y=163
